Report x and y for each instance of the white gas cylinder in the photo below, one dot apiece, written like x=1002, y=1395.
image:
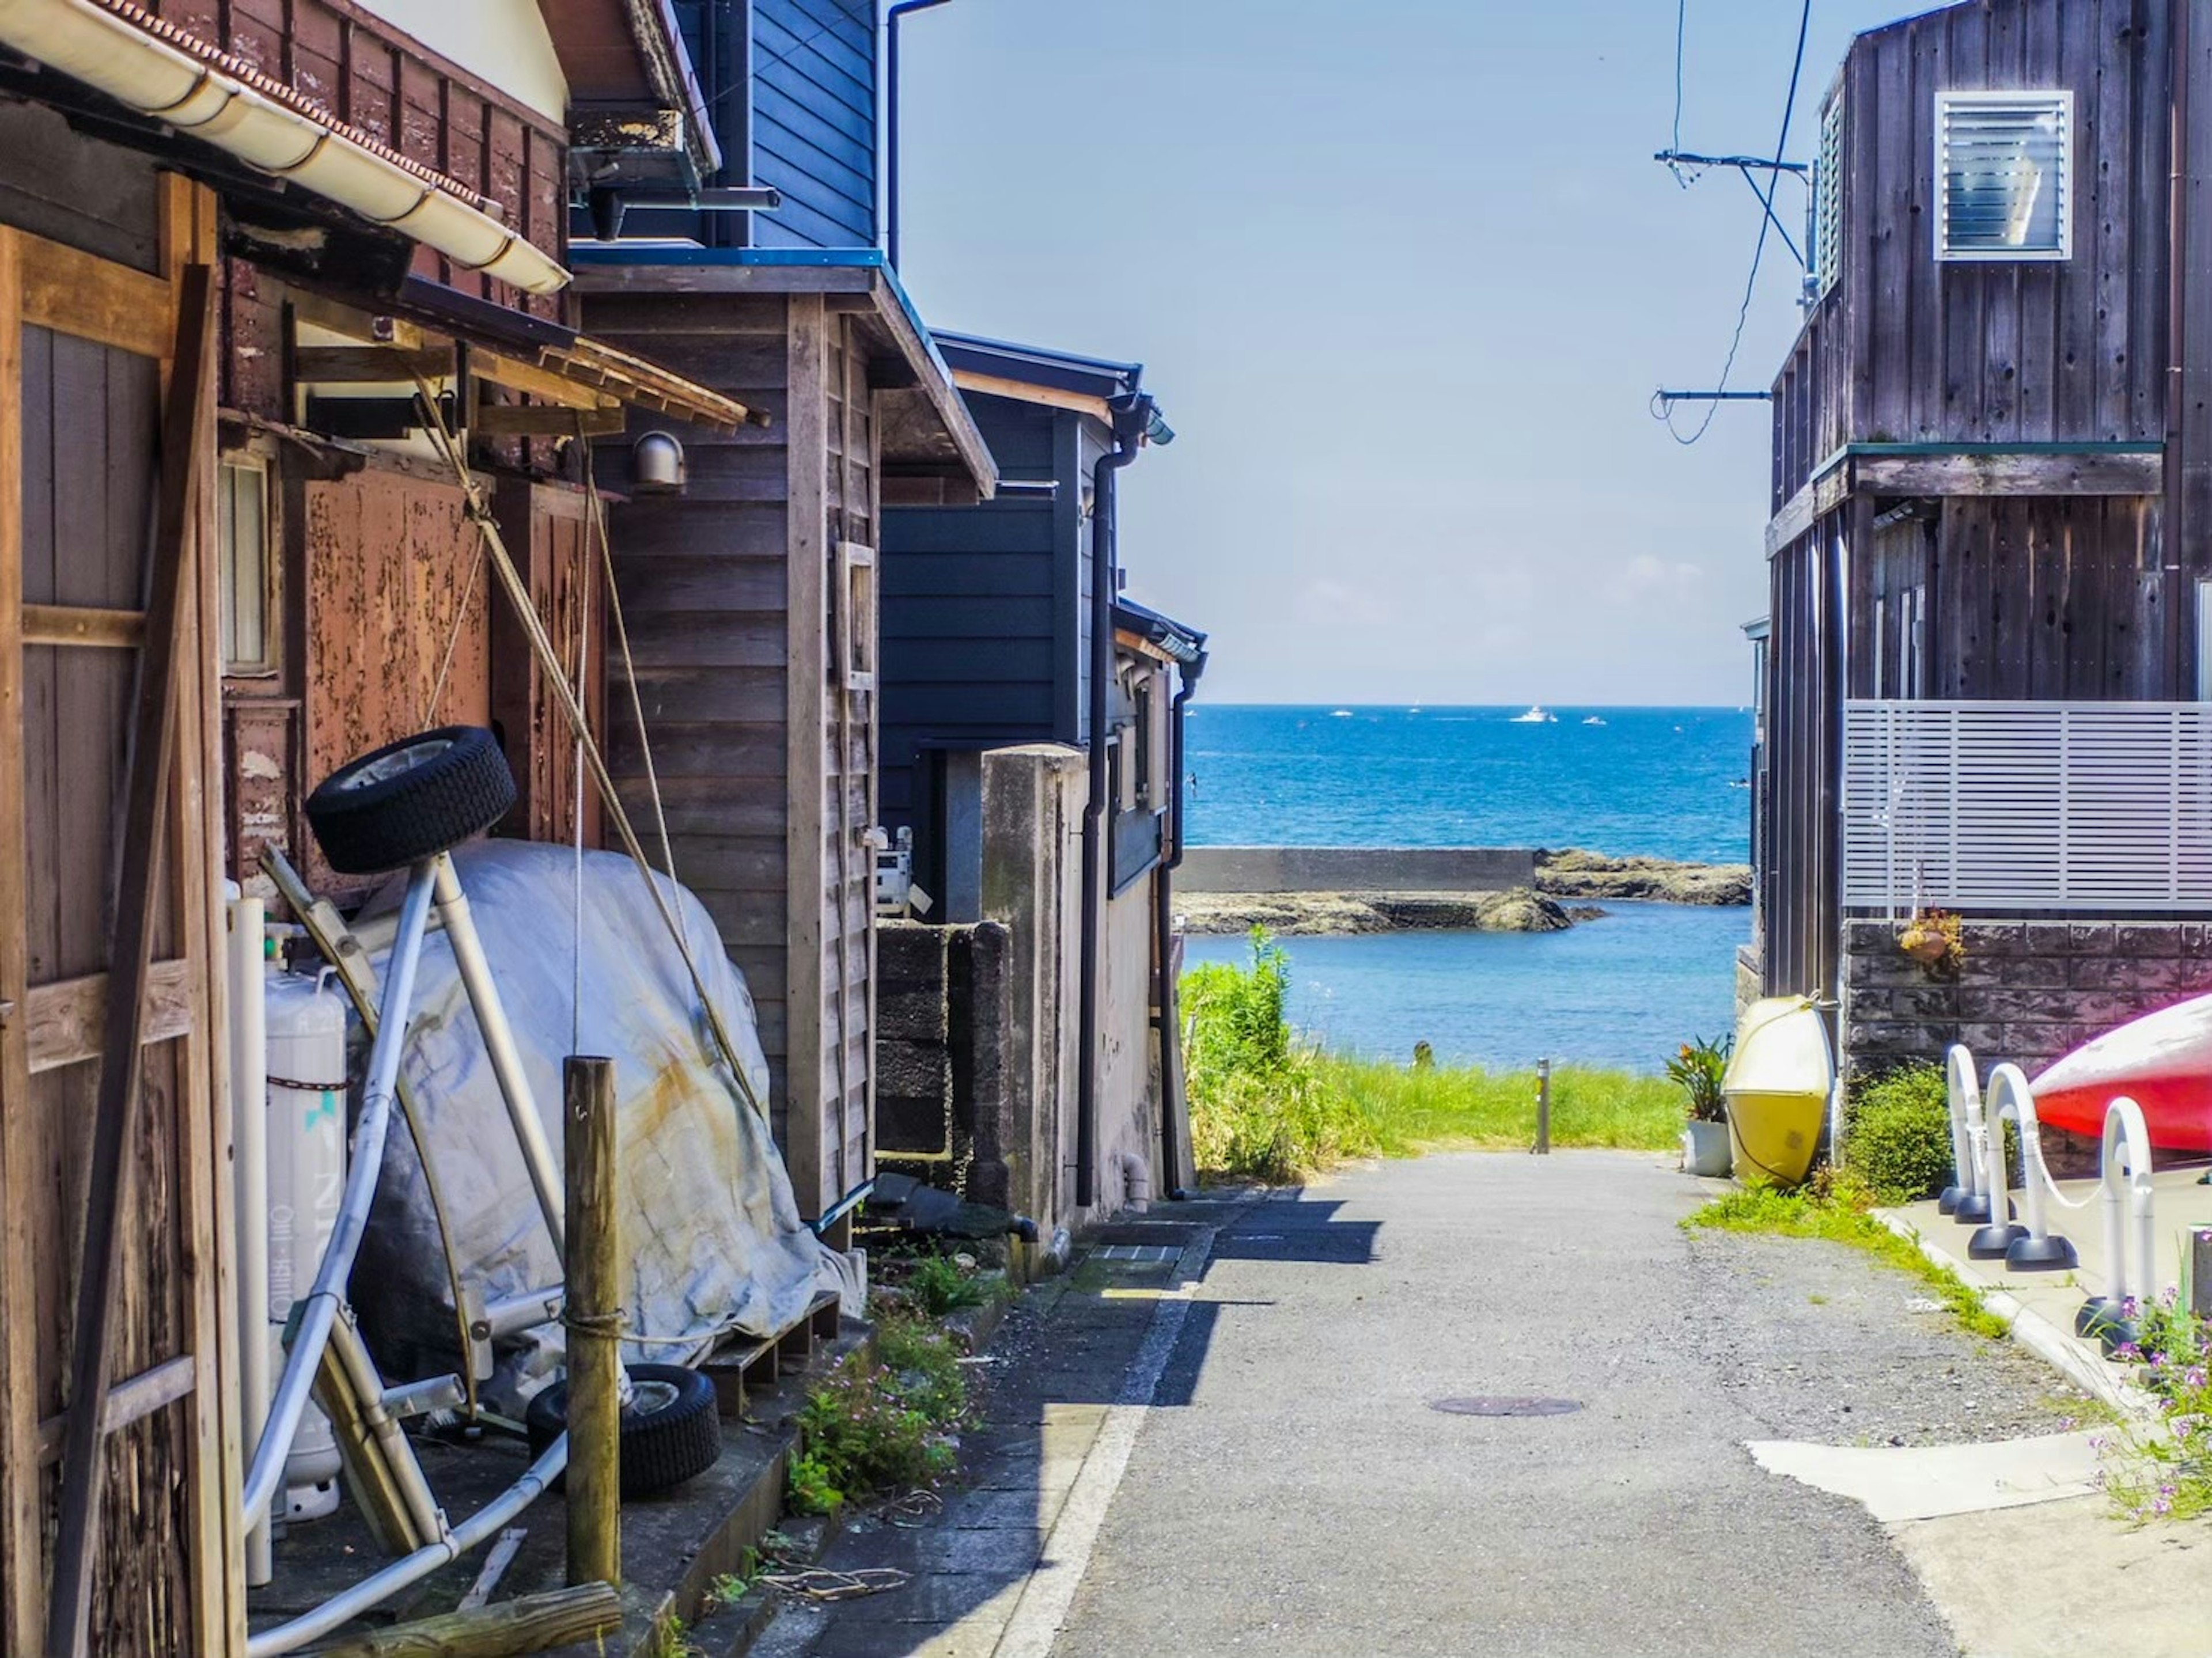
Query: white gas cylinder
x=307, y=1026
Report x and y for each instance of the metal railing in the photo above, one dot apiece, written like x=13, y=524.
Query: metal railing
x=2027, y=806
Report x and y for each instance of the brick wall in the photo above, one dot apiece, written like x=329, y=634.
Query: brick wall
x=2027, y=991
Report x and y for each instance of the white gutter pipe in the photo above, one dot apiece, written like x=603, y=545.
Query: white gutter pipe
x=83, y=40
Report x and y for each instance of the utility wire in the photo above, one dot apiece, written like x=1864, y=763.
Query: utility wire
x=1681, y=37
x=1759, y=248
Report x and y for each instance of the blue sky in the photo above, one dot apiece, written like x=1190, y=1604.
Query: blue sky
x=1404, y=275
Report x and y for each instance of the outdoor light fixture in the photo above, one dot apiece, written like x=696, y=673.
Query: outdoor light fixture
x=657, y=465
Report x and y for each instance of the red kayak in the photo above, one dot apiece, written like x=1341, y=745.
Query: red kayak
x=2162, y=1061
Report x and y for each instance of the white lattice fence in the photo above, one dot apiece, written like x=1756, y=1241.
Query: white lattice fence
x=2029, y=805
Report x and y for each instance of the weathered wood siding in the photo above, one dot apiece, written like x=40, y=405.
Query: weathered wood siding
x=766, y=760
x=82, y=360
x=1800, y=806
x=1908, y=348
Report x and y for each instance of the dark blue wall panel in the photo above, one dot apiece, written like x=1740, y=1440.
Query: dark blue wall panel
x=814, y=121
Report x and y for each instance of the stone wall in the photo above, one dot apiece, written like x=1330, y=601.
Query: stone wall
x=944, y=1014
x=2027, y=991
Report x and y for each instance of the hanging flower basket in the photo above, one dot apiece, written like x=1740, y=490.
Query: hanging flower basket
x=1932, y=938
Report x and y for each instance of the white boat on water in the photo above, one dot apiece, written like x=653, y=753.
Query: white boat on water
x=1537, y=715
x=1594, y=721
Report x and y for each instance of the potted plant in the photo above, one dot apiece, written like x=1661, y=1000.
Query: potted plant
x=1697, y=1069
x=1933, y=938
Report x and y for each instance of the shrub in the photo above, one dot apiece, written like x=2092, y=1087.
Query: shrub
x=1898, y=1139
x=940, y=1284
x=865, y=1433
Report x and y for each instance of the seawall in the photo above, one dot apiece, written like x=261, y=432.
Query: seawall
x=1356, y=869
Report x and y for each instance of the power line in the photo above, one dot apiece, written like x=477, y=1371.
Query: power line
x=1681, y=36
x=1759, y=248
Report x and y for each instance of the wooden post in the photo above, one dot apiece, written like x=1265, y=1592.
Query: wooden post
x=186, y=445
x=2198, y=1267
x=594, y=1322
x=1543, y=1146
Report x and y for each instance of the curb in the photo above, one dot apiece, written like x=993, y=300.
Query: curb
x=2064, y=1351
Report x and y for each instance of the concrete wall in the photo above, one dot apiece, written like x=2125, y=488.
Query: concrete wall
x=1355, y=869
x=943, y=1019
x=2027, y=991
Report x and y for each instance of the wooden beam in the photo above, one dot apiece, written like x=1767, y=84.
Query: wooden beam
x=371, y=364
x=1808, y=507
x=1051, y=396
x=22, y=1565
x=64, y=1020
x=353, y=322
x=542, y=383
x=187, y=440
x=2080, y=473
x=806, y=434
x=78, y=624
x=127, y=1402
x=80, y=294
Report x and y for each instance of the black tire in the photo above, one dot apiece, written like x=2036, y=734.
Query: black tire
x=672, y=1433
x=411, y=799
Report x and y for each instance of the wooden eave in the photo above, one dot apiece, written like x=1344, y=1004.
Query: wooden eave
x=1141, y=646
x=1939, y=470
x=1020, y=391
x=925, y=426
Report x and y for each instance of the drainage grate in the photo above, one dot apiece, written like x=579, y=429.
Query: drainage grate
x=1493, y=1405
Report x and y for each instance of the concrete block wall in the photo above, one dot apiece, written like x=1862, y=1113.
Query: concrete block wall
x=943, y=1022
x=2028, y=991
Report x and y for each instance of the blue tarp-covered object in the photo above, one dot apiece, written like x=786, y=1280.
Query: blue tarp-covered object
x=709, y=1227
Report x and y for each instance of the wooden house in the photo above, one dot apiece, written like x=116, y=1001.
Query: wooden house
x=1991, y=591
x=234, y=240
x=751, y=588
x=1003, y=629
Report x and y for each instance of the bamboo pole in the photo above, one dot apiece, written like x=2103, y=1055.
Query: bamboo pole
x=594, y=1322
x=530, y=1622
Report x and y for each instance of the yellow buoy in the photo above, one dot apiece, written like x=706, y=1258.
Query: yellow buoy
x=1777, y=1086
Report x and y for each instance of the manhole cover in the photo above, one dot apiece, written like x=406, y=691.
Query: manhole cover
x=1495, y=1405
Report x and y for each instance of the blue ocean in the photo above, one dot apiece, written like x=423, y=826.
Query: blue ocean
x=1622, y=991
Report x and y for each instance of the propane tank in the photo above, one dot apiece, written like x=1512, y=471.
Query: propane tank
x=306, y=1046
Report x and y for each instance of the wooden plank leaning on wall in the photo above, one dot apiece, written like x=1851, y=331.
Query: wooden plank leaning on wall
x=64, y=290
x=807, y=553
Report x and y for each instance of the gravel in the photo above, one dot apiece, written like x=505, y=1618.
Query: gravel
x=1817, y=1341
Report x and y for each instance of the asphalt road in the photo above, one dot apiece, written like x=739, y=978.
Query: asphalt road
x=1293, y=1492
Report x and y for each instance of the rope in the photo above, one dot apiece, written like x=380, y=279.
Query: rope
x=549, y=662
x=446, y=661
x=595, y=516
x=607, y=1325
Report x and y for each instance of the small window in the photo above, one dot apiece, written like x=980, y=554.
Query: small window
x=855, y=599
x=2004, y=175
x=245, y=570
x=1828, y=197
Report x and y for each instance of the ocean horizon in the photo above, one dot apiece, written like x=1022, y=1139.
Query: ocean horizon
x=1624, y=990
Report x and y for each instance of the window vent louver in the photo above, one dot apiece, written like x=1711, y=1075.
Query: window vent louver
x=2004, y=175
x=1828, y=197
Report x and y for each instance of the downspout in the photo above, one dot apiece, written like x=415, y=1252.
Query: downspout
x=1171, y=1094
x=2172, y=538
x=1131, y=416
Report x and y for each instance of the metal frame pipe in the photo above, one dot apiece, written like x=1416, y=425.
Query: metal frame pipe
x=2127, y=1141
x=392, y=1442
x=479, y=1527
x=1960, y=1085
x=249, y=1116
x=499, y=1045
x=2012, y=1100
x=319, y=1308
x=511, y=1315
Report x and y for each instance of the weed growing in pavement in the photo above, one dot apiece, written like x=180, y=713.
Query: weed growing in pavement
x=870, y=1430
x=940, y=1284
x=2164, y=1472
x=1265, y=1106
x=1838, y=1209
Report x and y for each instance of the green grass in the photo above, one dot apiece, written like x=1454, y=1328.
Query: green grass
x=1265, y=1106
x=1842, y=1218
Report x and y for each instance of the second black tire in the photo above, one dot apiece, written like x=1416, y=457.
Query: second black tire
x=673, y=1434
x=411, y=799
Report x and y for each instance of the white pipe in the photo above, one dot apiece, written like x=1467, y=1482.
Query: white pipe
x=1136, y=1181
x=499, y=1044
x=319, y=1308
x=383, y=1585
x=92, y=45
x=249, y=1119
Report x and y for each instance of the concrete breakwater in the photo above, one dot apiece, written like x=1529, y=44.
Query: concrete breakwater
x=1345, y=889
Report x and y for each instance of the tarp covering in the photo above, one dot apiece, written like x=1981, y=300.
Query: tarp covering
x=709, y=1226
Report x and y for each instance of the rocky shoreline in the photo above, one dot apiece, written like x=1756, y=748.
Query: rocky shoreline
x=1567, y=883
